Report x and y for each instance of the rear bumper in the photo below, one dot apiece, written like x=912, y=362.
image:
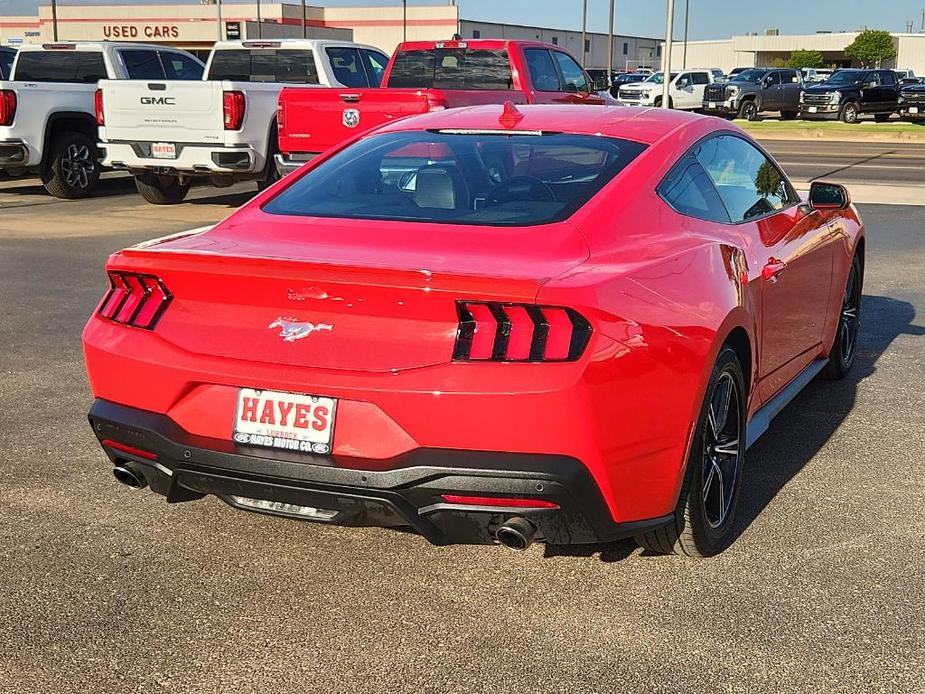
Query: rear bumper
x=403, y=492
x=287, y=163
x=191, y=159
x=13, y=154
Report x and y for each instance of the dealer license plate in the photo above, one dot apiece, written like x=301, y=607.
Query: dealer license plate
x=164, y=150
x=285, y=421
x=712, y=104
x=813, y=109
x=913, y=110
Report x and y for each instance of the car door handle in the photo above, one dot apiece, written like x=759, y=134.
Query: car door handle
x=773, y=268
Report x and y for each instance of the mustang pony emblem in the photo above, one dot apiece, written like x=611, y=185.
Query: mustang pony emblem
x=351, y=118
x=292, y=330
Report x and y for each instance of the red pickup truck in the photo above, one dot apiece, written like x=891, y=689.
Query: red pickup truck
x=427, y=76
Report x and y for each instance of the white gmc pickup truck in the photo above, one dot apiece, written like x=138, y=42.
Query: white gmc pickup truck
x=166, y=133
x=47, y=115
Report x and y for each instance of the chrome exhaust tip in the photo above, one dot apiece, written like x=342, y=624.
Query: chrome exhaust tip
x=516, y=534
x=129, y=477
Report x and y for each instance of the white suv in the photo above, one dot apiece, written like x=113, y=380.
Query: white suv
x=685, y=92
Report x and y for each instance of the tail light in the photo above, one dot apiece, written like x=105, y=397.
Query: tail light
x=519, y=332
x=436, y=103
x=98, y=107
x=134, y=299
x=234, y=105
x=7, y=106
x=280, y=120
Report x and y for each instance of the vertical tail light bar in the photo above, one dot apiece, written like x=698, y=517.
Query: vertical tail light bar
x=490, y=331
x=98, y=107
x=7, y=106
x=233, y=104
x=135, y=299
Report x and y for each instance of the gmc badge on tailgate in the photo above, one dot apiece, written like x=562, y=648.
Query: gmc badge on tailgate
x=351, y=117
x=158, y=100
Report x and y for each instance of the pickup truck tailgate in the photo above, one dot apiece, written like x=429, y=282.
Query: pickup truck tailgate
x=314, y=120
x=174, y=110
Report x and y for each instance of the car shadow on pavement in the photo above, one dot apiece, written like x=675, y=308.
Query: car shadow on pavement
x=233, y=200
x=800, y=431
x=32, y=185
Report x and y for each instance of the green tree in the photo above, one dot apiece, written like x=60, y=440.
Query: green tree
x=872, y=47
x=768, y=181
x=801, y=59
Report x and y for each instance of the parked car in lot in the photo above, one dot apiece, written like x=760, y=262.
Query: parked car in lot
x=814, y=75
x=752, y=92
x=47, y=121
x=167, y=133
x=623, y=79
x=912, y=104
x=685, y=92
x=7, y=55
x=426, y=76
x=490, y=324
x=848, y=94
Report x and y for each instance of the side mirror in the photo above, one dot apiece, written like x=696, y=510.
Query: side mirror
x=828, y=196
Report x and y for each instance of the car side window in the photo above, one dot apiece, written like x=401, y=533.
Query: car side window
x=348, y=70
x=690, y=191
x=543, y=72
x=889, y=78
x=573, y=77
x=683, y=80
x=749, y=183
x=701, y=78
x=142, y=64
x=872, y=78
x=375, y=63
x=773, y=79
x=181, y=67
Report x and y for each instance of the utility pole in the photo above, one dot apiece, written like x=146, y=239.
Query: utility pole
x=304, y=22
x=584, y=33
x=610, y=46
x=404, y=20
x=687, y=14
x=666, y=57
x=259, y=22
x=218, y=17
x=54, y=18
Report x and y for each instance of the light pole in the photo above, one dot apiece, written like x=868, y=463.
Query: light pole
x=687, y=14
x=304, y=22
x=666, y=58
x=610, y=47
x=259, y=22
x=584, y=33
x=54, y=18
x=404, y=20
x=218, y=16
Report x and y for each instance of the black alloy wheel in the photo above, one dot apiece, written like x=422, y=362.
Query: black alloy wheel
x=748, y=110
x=841, y=358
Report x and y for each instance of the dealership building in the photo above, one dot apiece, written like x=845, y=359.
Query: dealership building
x=771, y=48
x=196, y=26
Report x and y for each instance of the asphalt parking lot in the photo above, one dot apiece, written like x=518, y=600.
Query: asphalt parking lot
x=103, y=590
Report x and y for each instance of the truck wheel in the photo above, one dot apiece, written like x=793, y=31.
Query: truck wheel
x=705, y=518
x=748, y=110
x=74, y=169
x=161, y=190
x=788, y=115
x=882, y=117
x=849, y=113
x=658, y=102
x=270, y=175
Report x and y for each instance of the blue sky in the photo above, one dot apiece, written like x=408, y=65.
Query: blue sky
x=709, y=18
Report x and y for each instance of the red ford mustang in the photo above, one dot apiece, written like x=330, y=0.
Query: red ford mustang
x=494, y=324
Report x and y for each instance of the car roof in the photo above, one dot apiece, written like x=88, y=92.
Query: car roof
x=644, y=125
x=287, y=43
x=93, y=46
x=485, y=44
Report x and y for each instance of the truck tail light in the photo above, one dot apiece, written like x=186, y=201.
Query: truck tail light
x=135, y=299
x=491, y=331
x=234, y=105
x=7, y=106
x=98, y=107
x=280, y=120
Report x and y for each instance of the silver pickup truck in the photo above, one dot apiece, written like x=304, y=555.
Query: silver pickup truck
x=753, y=91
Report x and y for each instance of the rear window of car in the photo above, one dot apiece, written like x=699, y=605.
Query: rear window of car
x=85, y=67
x=264, y=65
x=477, y=179
x=452, y=68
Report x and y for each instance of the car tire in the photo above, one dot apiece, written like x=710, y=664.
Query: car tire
x=748, y=110
x=841, y=356
x=788, y=115
x=850, y=113
x=74, y=168
x=882, y=117
x=161, y=190
x=704, y=520
x=270, y=175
